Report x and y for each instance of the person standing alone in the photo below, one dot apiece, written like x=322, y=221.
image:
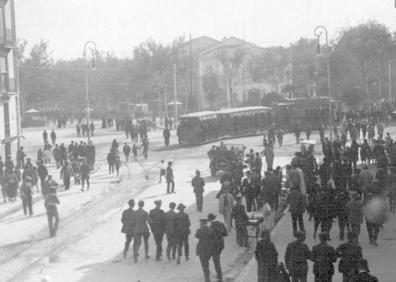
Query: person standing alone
x=170, y=183
x=51, y=202
x=198, y=183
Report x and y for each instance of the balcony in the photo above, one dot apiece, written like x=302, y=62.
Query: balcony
x=7, y=85
x=9, y=35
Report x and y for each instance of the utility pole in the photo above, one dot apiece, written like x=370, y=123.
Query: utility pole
x=390, y=79
x=175, y=92
x=318, y=31
x=191, y=79
x=93, y=50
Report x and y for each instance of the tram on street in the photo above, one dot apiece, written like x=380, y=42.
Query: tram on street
x=208, y=126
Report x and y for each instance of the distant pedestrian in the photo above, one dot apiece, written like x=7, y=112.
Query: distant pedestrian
x=198, y=183
x=162, y=169
x=45, y=136
x=127, y=150
x=166, y=135
x=226, y=204
x=267, y=258
x=355, y=214
x=170, y=182
x=141, y=230
x=170, y=230
x=65, y=175
x=205, y=236
x=297, y=205
x=127, y=221
x=27, y=196
x=157, y=225
x=51, y=202
x=111, y=157
x=220, y=232
x=135, y=151
x=183, y=224
x=117, y=165
x=53, y=137
x=241, y=220
x=85, y=172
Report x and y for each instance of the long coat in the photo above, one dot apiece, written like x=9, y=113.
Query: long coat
x=220, y=232
x=140, y=221
x=182, y=224
x=170, y=223
x=205, y=235
x=127, y=220
x=267, y=260
x=350, y=254
x=157, y=221
x=223, y=209
x=296, y=257
x=323, y=257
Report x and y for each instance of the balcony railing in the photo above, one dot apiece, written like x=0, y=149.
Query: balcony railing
x=7, y=84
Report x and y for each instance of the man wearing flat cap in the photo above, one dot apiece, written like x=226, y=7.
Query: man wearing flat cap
x=157, y=224
x=220, y=232
x=323, y=257
x=182, y=231
x=296, y=258
x=205, y=245
x=127, y=225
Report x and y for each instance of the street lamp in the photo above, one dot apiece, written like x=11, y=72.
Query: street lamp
x=92, y=47
x=318, y=31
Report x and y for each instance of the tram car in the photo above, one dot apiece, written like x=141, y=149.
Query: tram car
x=208, y=126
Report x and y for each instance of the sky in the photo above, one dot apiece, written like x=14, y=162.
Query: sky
x=117, y=26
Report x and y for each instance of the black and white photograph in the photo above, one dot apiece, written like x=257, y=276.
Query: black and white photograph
x=197, y=140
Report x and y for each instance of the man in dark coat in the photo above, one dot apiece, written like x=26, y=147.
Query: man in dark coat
x=249, y=191
x=350, y=254
x=157, y=224
x=323, y=257
x=296, y=258
x=297, y=202
x=127, y=227
x=220, y=231
x=198, y=183
x=241, y=220
x=42, y=173
x=170, y=229
x=141, y=230
x=170, y=182
x=182, y=231
x=205, y=235
x=341, y=199
x=111, y=157
x=355, y=214
x=51, y=201
x=166, y=135
x=26, y=193
x=267, y=258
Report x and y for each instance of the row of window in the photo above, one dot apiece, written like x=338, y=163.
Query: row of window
x=6, y=26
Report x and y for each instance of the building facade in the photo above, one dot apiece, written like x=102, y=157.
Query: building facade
x=10, y=126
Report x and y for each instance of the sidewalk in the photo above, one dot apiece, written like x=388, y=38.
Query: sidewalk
x=381, y=258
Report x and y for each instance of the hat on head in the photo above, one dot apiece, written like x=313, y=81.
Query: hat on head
x=211, y=216
x=131, y=202
x=157, y=202
x=172, y=205
x=181, y=206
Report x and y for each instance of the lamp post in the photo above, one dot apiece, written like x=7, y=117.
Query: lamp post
x=318, y=31
x=92, y=47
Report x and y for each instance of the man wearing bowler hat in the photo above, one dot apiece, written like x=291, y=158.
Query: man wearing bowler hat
x=220, y=232
x=182, y=231
x=205, y=245
x=157, y=224
x=127, y=225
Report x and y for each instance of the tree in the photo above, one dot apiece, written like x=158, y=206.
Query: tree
x=231, y=61
x=360, y=55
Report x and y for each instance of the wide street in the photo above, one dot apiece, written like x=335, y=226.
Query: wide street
x=89, y=243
